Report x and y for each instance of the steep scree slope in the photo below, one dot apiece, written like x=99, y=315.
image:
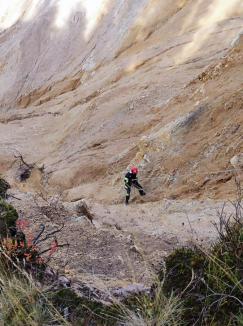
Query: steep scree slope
x=90, y=87
x=82, y=83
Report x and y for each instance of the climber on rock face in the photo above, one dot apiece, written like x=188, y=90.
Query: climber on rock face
x=132, y=180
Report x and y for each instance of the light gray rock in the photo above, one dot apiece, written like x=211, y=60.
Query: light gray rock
x=237, y=161
x=63, y=281
x=130, y=290
x=238, y=41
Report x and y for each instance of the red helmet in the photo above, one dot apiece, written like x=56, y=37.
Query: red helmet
x=134, y=170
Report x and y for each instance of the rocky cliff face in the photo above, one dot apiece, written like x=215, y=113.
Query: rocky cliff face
x=90, y=87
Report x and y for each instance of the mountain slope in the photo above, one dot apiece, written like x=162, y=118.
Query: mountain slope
x=89, y=88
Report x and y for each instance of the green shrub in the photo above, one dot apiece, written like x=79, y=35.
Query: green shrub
x=8, y=217
x=184, y=269
x=180, y=266
x=210, y=282
x=4, y=186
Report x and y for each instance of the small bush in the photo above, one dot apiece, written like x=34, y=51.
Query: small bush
x=4, y=186
x=210, y=283
x=8, y=217
x=184, y=270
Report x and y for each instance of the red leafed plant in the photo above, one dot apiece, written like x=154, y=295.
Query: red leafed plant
x=25, y=249
x=22, y=224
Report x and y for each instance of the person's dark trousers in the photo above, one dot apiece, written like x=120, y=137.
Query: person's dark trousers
x=128, y=190
x=139, y=187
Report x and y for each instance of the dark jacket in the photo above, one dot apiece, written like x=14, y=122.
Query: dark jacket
x=132, y=179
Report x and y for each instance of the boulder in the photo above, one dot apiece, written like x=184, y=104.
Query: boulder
x=83, y=209
x=237, y=161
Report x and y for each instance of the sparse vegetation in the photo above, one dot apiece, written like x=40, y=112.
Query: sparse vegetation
x=154, y=309
x=197, y=286
x=23, y=303
x=8, y=214
x=210, y=282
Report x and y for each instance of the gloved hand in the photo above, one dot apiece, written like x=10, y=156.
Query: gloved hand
x=142, y=192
